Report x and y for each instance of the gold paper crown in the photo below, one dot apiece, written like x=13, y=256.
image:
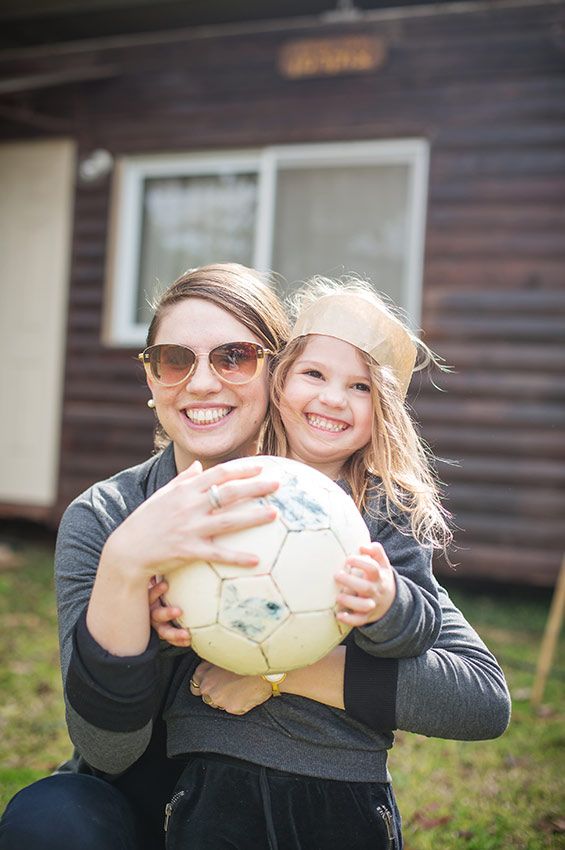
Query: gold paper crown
x=357, y=319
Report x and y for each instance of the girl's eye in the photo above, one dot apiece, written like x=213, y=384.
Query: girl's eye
x=364, y=388
x=313, y=373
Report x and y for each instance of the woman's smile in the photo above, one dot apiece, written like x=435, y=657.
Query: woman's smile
x=201, y=416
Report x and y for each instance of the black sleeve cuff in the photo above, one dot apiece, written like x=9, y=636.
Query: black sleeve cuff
x=370, y=685
x=119, y=694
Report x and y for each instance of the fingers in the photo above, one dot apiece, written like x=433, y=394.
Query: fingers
x=238, y=518
x=236, y=491
x=360, y=574
x=173, y=635
x=367, y=586
x=193, y=470
x=156, y=591
x=352, y=618
x=162, y=615
x=376, y=552
x=230, y=471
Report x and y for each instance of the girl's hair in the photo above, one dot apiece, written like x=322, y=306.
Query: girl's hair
x=395, y=453
x=244, y=293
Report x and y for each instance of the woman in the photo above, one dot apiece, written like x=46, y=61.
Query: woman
x=116, y=680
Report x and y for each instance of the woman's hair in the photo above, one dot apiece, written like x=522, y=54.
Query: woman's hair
x=244, y=293
x=395, y=452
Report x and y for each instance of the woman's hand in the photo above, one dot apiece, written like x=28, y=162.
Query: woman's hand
x=179, y=523
x=368, y=586
x=227, y=691
x=162, y=616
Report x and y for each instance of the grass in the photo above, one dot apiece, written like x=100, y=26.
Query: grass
x=491, y=795
x=506, y=794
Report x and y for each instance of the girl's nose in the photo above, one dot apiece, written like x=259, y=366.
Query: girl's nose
x=333, y=397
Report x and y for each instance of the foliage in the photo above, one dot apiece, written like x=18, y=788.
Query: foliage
x=490, y=795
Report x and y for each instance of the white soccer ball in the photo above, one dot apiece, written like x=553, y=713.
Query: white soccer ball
x=280, y=614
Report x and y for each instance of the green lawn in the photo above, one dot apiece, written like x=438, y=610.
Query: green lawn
x=493, y=795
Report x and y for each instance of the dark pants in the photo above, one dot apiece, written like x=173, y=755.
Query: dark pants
x=68, y=812
x=222, y=803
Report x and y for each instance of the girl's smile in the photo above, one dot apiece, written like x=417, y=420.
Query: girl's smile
x=326, y=404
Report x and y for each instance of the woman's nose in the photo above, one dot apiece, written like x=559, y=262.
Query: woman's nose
x=203, y=379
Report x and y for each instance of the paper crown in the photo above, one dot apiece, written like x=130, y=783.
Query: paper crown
x=356, y=319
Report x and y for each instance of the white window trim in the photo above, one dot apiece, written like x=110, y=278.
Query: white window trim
x=125, y=228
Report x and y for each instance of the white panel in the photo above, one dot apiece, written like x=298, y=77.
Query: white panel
x=36, y=191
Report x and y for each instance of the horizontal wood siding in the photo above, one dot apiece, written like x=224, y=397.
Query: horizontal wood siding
x=486, y=87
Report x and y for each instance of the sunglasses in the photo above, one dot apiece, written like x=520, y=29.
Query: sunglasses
x=233, y=362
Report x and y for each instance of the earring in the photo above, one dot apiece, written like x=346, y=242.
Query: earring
x=151, y=403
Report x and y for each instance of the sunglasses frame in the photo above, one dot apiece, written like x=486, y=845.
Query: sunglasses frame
x=262, y=352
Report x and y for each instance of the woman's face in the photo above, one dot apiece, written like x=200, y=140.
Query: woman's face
x=326, y=405
x=206, y=418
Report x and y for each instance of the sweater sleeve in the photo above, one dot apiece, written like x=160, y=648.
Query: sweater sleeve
x=455, y=690
x=412, y=624
x=109, y=700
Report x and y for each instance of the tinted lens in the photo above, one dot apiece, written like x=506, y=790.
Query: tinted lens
x=236, y=362
x=170, y=364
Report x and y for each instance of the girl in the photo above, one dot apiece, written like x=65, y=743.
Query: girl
x=337, y=394
x=340, y=409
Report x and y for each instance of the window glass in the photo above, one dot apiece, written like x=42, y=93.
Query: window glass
x=350, y=218
x=192, y=221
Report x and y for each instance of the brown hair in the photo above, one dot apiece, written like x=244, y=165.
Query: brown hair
x=395, y=452
x=244, y=293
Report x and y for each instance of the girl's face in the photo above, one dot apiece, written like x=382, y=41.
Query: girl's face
x=207, y=419
x=326, y=405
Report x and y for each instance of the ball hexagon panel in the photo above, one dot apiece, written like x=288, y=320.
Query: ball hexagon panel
x=301, y=640
x=195, y=589
x=251, y=607
x=229, y=650
x=347, y=523
x=305, y=570
x=299, y=509
x=264, y=541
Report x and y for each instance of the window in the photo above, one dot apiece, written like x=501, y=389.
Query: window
x=298, y=210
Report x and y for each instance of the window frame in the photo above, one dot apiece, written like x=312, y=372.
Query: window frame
x=122, y=274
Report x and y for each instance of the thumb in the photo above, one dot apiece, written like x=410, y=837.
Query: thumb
x=193, y=470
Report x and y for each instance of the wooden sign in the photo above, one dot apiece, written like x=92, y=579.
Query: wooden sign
x=330, y=57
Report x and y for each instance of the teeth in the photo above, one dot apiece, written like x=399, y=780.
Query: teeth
x=206, y=416
x=320, y=422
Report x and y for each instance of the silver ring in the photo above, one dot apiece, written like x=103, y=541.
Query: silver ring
x=214, y=497
x=195, y=685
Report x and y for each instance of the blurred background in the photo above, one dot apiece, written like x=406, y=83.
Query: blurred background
x=419, y=144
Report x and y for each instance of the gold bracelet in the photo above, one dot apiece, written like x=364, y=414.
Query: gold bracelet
x=275, y=680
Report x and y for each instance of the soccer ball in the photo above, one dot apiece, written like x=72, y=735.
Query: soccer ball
x=280, y=614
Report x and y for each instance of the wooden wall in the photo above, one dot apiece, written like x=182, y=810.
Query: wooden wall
x=485, y=83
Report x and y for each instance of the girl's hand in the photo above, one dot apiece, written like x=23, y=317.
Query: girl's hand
x=227, y=691
x=162, y=616
x=368, y=586
x=179, y=524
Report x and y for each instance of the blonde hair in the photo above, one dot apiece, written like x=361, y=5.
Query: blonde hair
x=244, y=293
x=395, y=452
